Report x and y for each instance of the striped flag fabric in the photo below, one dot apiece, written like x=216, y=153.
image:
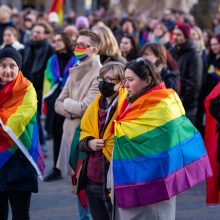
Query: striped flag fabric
x=215, y=71
x=18, y=123
x=53, y=77
x=158, y=153
x=57, y=6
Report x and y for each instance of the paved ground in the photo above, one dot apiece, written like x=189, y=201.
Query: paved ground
x=56, y=202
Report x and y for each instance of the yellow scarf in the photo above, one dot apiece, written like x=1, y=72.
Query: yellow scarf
x=89, y=123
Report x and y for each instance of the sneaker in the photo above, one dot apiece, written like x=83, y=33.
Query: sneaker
x=53, y=176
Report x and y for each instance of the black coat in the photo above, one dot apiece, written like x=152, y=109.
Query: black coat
x=54, y=121
x=35, y=57
x=191, y=67
x=211, y=81
x=170, y=78
x=18, y=175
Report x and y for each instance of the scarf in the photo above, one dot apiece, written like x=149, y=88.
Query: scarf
x=18, y=124
x=89, y=127
x=158, y=153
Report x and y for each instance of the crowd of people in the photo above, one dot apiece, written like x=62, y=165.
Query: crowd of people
x=127, y=102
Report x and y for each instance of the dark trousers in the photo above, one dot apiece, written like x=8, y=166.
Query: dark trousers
x=19, y=202
x=96, y=203
x=39, y=110
x=57, y=136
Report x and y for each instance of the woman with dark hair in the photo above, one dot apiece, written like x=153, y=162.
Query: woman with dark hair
x=128, y=47
x=158, y=54
x=211, y=121
x=96, y=138
x=158, y=153
x=56, y=74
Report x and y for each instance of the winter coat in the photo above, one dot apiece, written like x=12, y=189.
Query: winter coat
x=35, y=57
x=191, y=67
x=18, y=174
x=79, y=91
x=170, y=78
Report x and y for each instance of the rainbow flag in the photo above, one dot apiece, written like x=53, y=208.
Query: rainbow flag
x=89, y=127
x=158, y=153
x=18, y=124
x=57, y=6
x=215, y=71
x=53, y=78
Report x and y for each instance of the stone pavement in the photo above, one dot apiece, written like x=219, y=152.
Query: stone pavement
x=55, y=201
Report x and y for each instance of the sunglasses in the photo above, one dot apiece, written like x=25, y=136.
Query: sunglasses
x=82, y=45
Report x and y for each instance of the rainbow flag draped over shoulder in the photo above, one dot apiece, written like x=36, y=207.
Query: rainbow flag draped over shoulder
x=158, y=153
x=18, y=124
x=53, y=78
x=215, y=71
x=89, y=127
x=57, y=6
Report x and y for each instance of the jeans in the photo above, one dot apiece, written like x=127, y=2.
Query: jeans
x=19, y=202
x=83, y=212
x=96, y=202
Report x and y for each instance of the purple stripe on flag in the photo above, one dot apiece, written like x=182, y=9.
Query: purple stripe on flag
x=144, y=193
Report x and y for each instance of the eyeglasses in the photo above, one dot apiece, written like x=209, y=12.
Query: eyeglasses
x=82, y=45
x=107, y=79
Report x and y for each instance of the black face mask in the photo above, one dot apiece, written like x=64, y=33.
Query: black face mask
x=106, y=88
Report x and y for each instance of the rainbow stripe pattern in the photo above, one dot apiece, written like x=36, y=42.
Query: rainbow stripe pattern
x=215, y=71
x=158, y=153
x=80, y=53
x=53, y=77
x=18, y=123
x=57, y=6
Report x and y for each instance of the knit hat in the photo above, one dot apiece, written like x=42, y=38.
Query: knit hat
x=185, y=28
x=82, y=22
x=9, y=51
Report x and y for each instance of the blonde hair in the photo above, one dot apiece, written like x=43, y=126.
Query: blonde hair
x=109, y=45
x=200, y=44
x=116, y=67
x=12, y=30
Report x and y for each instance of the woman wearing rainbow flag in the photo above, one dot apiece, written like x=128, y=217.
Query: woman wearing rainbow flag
x=158, y=153
x=20, y=153
x=96, y=138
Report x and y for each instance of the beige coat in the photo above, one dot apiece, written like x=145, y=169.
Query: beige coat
x=79, y=91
